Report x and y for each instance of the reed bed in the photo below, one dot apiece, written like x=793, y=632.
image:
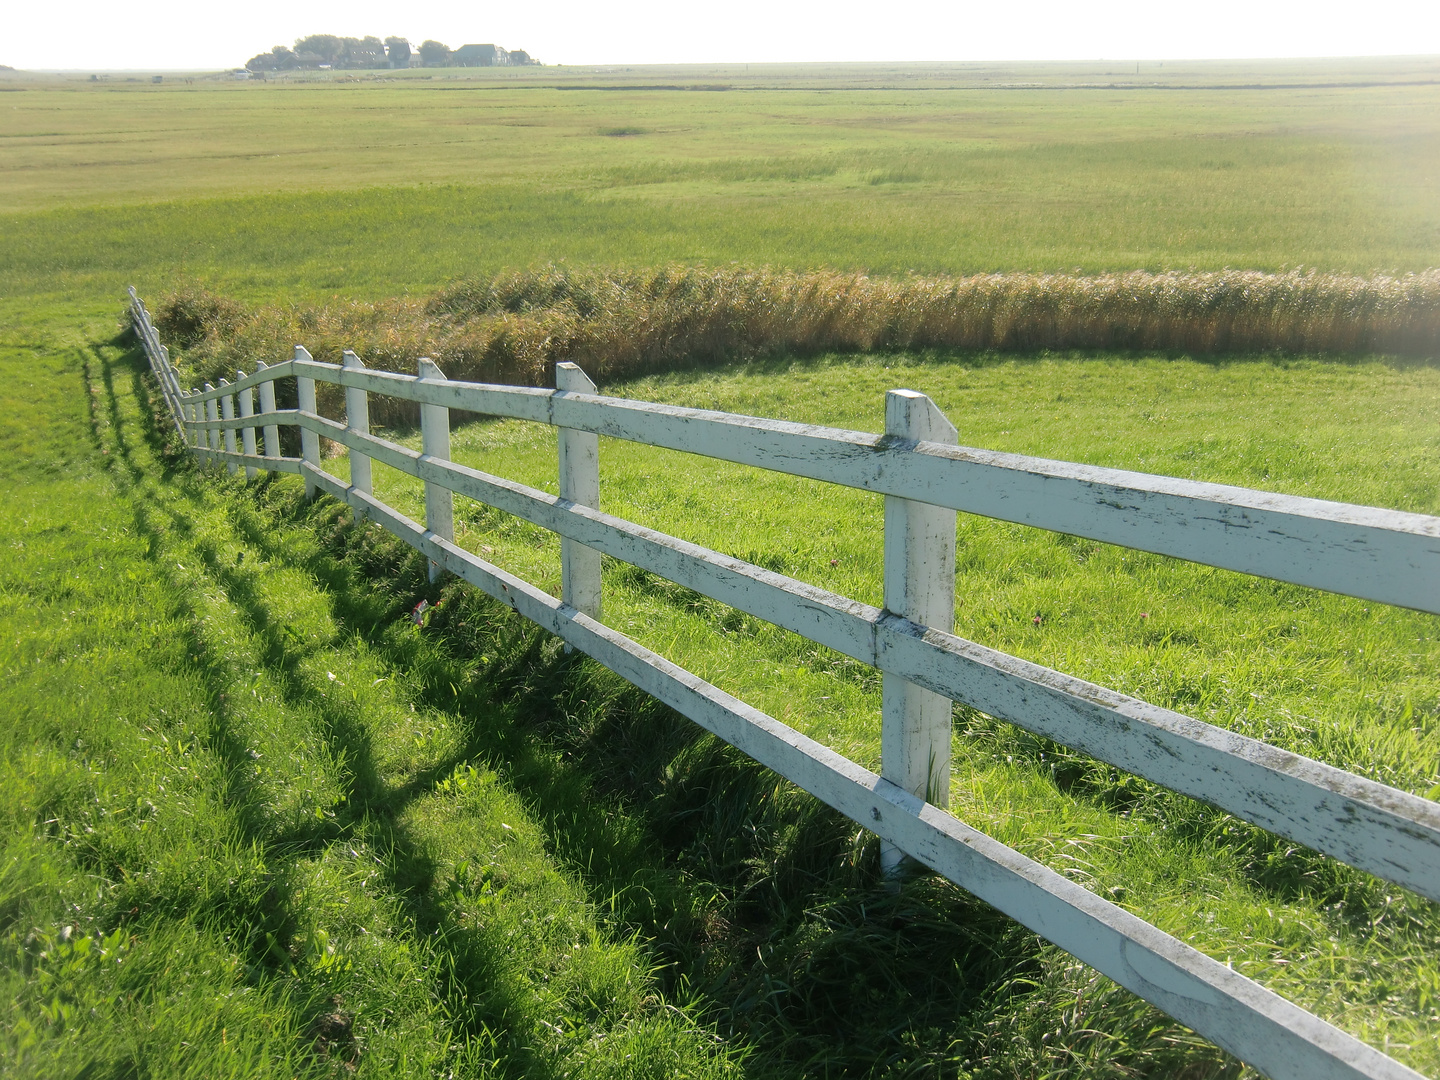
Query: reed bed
x=619, y=324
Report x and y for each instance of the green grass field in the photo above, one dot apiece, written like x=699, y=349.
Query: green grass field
x=301, y=191
x=255, y=822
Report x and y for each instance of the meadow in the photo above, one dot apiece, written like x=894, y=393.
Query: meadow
x=299, y=192
x=255, y=820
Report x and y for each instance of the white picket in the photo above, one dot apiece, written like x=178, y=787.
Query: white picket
x=435, y=445
x=920, y=586
x=357, y=418
x=227, y=412
x=580, y=484
x=247, y=433
x=309, y=441
x=212, y=413
x=267, y=408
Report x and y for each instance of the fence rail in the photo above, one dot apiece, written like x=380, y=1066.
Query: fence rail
x=1359, y=551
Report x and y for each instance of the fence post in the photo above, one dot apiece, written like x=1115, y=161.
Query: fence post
x=187, y=410
x=580, y=483
x=309, y=440
x=212, y=412
x=267, y=406
x=435, y=442
x=919, y=585
x=357, y=418
x=227, y=410
x=247, y=433
x=168, y=384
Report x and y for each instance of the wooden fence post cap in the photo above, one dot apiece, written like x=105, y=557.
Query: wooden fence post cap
x=302, y=353
x=571, y=376
x=912, y=415
x=350, y=360
x=428, y=369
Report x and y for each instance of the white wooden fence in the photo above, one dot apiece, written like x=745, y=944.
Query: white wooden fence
x=1374, y=554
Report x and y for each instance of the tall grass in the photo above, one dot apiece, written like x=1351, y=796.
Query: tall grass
x=626, y=323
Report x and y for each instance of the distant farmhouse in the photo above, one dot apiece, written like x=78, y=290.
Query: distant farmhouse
x=479, y=56
x=326, y=52
x=369, y=53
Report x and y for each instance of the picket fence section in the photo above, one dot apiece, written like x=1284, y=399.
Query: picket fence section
x=926, y=477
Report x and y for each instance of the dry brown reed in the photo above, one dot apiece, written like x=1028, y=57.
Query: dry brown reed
x=622, y=323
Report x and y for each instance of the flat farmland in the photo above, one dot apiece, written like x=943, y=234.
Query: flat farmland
x=384, y=186
x=255, y=820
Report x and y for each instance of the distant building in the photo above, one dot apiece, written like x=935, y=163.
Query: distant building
x=520, y=56
x=477, y=56
x=398, y=54
x=309, y=60
x=366, y=55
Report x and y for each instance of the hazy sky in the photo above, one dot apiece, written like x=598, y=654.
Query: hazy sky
x=187, y=33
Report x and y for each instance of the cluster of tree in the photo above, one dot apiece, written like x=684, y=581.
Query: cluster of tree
x=328, y=50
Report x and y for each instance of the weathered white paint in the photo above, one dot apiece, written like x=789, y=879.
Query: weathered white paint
x=162, y=358
x=1260, y=1027
x=218, y=457
x=227, y=412
x=282, y=416
x=247, y=433
x=267, y=407
x=919, y=586
x=435, y=444
x=515, y=402
x=357, y=418
x=268, y=373
x=1371, y=826
x=196, y=436
x=309, y=441
x=580, y=484
x=212, y=413
x=1361, y=551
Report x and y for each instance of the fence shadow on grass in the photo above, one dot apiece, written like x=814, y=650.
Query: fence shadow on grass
x=756, y=902
x=479, y=993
